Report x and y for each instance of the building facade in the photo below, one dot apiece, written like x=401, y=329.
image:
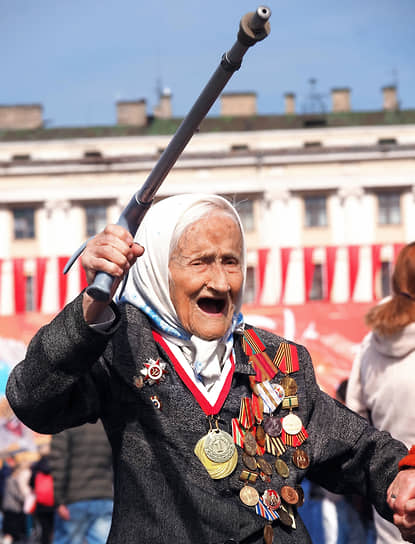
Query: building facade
x=327, y=199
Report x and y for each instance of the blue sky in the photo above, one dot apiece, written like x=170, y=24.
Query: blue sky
x=77, y=58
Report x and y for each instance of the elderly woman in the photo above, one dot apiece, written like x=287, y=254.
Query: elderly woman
x=213, y=424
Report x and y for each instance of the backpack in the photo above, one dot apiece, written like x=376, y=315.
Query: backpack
x=44, y=489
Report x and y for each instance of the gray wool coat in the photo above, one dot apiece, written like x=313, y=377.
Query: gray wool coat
x=73, y=374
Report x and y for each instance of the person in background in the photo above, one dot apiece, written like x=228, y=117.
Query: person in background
x=41, y=482
x=172, y=370
x=16, y=490
x=337, y=519
x=81, y=467
x=382, y=381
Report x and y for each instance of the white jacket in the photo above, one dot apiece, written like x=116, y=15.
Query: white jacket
x=381, y=388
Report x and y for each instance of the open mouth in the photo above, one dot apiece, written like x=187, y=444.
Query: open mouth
x=211, y=305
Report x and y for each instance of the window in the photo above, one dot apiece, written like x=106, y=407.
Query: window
x=96, y=219
x=315, y=211
x=312, y=144
x=316, y=292
x=387, y=141
x=246, y=212
x=239, y=147
x=249, y=294
x=21, y=157
x=30, y=294
x=385, y=278
x=24, y=223
x=389, y=208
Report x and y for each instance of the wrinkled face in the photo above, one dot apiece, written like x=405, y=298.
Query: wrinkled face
x=206, y=275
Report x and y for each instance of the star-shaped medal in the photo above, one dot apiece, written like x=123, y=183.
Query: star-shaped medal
x=154, y=371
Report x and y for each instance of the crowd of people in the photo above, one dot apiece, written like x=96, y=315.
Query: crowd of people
x=65, y=496
x=215, y=426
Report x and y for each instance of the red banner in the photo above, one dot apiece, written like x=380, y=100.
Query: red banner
x=40, y=281
x=262, y=265
x=376, y=264
x=63, y=281
x=331, y=254
x=19, y=286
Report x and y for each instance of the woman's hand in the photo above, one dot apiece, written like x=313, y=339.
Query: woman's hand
x=401, y=499
x=113, y=251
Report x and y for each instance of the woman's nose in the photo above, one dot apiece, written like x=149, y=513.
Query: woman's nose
x=218, y=279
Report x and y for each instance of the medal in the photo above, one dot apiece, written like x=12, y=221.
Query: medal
x=300, y=492
x=249, y=495
x=293, y=431
x=268, y=534
x=273, y=426
x=215, y=470
x=289, y=385
x=246, y=413
x=271, y=398
x=249, y=461
x=247, y=476
x=264, y=466
x=291, y=424
x=285, y=517
x=154, y=371
x=282, y=468
x=274, y=445
x=301, y=459
x=219, y=446
x=250, y=445
x=286, y=358
x=262, y=510
x=289, y=494
x=271, y=499
x=156, y=402
x=290, y=402
x=260, y=435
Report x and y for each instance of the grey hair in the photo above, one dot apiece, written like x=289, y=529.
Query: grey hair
x=201, y=208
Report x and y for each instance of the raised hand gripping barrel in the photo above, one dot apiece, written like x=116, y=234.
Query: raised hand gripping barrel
x=253, y=28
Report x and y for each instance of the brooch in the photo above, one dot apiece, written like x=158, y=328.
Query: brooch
x=154, y=371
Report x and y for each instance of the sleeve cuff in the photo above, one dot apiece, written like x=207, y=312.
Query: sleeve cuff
x=408, y=461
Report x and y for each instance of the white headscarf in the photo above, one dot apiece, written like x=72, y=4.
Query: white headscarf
x=148, y=283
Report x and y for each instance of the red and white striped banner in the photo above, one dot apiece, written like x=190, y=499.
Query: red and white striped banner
x=38, y=284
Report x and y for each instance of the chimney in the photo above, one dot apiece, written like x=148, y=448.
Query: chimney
x=163, y=109
x=21, y=116
x=390, y=99
x=132, y=113
x=238, y=104
x=289, y=103
x=340, y=100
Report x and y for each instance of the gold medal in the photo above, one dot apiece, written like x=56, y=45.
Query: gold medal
x=290, y=402
x=215, y=470
x=247, y=476
x=289, y=385
x=282, y=468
